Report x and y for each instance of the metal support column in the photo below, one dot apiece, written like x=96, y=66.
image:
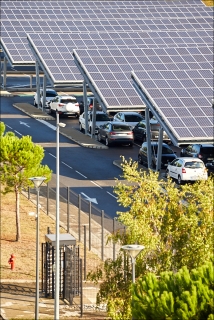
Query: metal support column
x=148, y=138
x=159, y=155
x=4, y=73
x=93, y=119
x=37, y=83
x=44, y=92
x=85, y=106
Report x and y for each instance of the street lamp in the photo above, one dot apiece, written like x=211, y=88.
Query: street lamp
x=133, y=250
x=56, y=301
x=37, y=183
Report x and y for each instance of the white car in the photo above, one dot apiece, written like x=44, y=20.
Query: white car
x=187, y=169
x=101, y=118
x=66, y=105
x=50, y=94
x=130, y=118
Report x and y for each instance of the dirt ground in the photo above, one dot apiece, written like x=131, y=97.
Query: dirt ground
x=25, y=249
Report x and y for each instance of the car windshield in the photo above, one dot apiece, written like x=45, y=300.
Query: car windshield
x=132, y=118
x=118, y=127
x=102, y=117
x=51, y=94
x=68, y=100
x=165, y=150
x=207, y=150
x=194, y=164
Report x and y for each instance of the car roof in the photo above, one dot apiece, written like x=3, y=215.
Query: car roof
x=129, y=112
x=153, y=143
x=189, y=159
x=204, y=145
x=69, y=97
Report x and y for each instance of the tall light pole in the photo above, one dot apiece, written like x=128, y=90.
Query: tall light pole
x=56, y=301
x=133, y=250
x=37, y=183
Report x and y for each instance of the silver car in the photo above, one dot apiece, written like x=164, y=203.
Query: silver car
x=115, y=132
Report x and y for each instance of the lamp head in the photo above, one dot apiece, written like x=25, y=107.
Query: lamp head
x=37, y=181
x=133, y=249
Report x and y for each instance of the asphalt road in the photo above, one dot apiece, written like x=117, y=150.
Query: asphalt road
x=87, y=171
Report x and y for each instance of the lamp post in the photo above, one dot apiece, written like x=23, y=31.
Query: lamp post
x=56, y=301
x=37, y=183
x=133, y=250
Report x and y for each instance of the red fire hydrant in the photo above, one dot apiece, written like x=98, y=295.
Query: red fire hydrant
x=11, y=261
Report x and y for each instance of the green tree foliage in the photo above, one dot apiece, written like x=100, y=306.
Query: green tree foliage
x=175, y=296
x=175, y=224
x=20, y=159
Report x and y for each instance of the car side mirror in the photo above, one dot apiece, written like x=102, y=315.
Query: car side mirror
x=101, y=126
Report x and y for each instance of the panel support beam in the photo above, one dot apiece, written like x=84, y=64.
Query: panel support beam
x=159, y=155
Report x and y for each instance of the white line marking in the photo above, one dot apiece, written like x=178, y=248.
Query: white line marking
x=51, y=155
x=18, y=132
x=47, y=124
x=81, y=174
x=67, y=165
x=96, y=184
x=111, y=195
x=8, y=126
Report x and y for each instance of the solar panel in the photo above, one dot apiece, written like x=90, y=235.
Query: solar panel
x=169, y=89
x=187, y=112
x=107, y=13
x=104, y=4
x=42, y=45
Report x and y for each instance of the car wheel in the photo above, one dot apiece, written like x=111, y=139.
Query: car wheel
x=34, y=103
x=167, y=174
x=179, y=180
x=140, y=159
x=107, y=142
x=131, y=144
x=81, y=128
x=99, y=137
x=51, y=111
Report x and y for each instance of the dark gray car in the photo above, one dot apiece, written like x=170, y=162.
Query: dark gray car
x=205, y=152
x=115, y=133
x=167, y=154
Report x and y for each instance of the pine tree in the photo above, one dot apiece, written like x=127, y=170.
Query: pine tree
x=20, y=159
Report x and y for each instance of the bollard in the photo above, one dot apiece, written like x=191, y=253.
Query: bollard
x=11, y=261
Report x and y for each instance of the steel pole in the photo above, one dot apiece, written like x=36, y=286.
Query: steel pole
x=133, y=270
x=37, y=260
x=56, y=302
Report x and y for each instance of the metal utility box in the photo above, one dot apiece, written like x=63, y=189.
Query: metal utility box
x=64, y=239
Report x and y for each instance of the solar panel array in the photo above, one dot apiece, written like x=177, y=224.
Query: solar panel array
x=60, y=62
x=178, y=80
x=108, y=13
x=103, y=4
x=14, y=42
x=171, y=53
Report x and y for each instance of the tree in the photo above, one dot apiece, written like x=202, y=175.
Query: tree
x=172, y=296
x=20, y=159
x=174, y=224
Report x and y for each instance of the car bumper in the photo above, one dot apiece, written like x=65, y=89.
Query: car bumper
x=121, y=140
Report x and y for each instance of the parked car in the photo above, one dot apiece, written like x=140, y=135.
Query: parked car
x=101, y=118
x=50, y=94
x=187, y=169
x=115, y=132
x=90, y=103
x=139, y=131
x=205, y=152
x=210, y=167
x=66, y=105
x=130, y=118
x=167, y=154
